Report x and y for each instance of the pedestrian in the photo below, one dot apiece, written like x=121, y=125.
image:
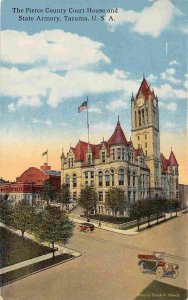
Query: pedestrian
x=99, y=223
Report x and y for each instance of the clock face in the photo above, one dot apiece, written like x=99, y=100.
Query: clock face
x=140, y=101
x=155, y=102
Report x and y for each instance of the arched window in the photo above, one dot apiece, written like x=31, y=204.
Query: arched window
x=112, y=177
x=121, y=177
x=107, y=178
x=134, y=174
x=100, y=178
x=74, y=180
x=67, y=180
x=129, y=178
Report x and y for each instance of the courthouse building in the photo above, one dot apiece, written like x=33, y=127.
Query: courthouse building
x=137, y=166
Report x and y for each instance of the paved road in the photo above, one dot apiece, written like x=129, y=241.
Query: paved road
x=108, y=267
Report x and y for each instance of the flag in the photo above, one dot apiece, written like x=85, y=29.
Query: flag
x=45, y=153
x=82, y=106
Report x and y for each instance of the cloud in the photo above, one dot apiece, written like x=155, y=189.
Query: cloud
x=174, y=62
x=168, y=75
x=43, y=122
x=57, y=49
x=116, y=104
x=41, y=82
x=184, y=29
x=151, y=20
x=95, y=110
x=151, y=78
x=167, y=91
x=11, y=107
x=102, y=127
x=169, y=106
x=186, y=82
x=29, y=101
x=170, y=125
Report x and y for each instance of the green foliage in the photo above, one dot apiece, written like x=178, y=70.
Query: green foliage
x=54, y=226
x=5, y=211
x=174, y=204
x=88, y=198
x=137, y=211
x=49, y=193
x=21, y=216
x=115, y=199
x=63, y=195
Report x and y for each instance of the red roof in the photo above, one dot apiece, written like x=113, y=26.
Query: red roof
x=165, y=164
x=172, y=159
x=145, y=90
x=138, y=151
x=118, y=136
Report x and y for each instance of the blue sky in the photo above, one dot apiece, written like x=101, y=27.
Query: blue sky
x=49, y=68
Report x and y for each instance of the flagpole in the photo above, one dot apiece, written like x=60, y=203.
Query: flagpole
x=88, y=122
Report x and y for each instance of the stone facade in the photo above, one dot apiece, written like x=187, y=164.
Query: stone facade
x=136, y=166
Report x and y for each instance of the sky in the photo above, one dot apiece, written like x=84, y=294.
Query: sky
x=50, y=66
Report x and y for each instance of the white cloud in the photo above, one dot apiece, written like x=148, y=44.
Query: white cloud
x=151, y=20
x=167, y=91
x=57, y=49
x=95, y=110
x=174, y=62
x=168, y=75
x=171, y=125
x=151, y=78
x=29, y=101
x=169, y=106
x=101, y=127
x=11, y=107
x=186, y=82
x=43, y=122
x=41, y=82
x=116, y=104
x=184, y=29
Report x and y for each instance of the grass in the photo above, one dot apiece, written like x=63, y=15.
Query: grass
x=17, y=249
x=163, y=291
x=110, y=219
x=28, y=270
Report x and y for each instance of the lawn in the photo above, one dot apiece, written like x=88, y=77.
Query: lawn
x=16, y=249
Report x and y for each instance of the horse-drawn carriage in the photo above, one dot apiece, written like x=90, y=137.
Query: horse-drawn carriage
x=155, y=263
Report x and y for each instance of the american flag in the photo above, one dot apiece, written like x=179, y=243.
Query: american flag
x=82, y=106
x=45, y=153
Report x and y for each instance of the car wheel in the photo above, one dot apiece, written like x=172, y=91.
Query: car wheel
x=175, y=273
x=141, y=267
x=88, y=230
x=159, y=272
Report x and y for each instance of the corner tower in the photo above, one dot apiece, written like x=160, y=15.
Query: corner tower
x=145, y=132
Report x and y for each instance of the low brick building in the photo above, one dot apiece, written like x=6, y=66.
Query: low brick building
x=29, y=184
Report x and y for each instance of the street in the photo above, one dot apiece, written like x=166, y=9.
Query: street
x=108, y=266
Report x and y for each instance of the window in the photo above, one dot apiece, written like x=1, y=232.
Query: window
x=67, y=180
x=113, y=154
x=100, y=179
x=129, y=178
x=107, y=178
x=135, y=116
x=92, y=174
x=86, y=183
x=74, y=181
x=86, y=175
x=123, y=154
x=101, y=196
x=134, y=178
x=103, y=156
x=106, y=195
x=134, y=196
x=143, y=120
x=112, y=177
x=138, y=137
x=146, y=153
x=89, y=159
x=129, y=196
x=146, y=145
x=139, y=117
x=145, y=136
x=118, y=153
x=92, y=182
x=75, y=196
x=121, y=177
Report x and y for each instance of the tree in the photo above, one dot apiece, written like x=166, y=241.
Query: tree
x=158, y=207
x=137, y=211
x=21, y=216
x=5, y=210
x=63, y=196
x=175, y=204
x=148, y=209
x=54, y=227
x=88, y=198
x=115, y=200
x=49, y=193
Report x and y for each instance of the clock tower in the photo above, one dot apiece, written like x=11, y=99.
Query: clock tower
x=145, y=132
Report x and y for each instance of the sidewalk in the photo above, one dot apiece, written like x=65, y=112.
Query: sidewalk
x=61, y=250
x=132, y=231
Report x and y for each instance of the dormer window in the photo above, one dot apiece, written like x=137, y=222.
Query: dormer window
x=103, y=156
x=118, y=153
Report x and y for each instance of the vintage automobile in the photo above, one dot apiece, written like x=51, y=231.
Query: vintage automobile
x=156, y=264
x=86, y=227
